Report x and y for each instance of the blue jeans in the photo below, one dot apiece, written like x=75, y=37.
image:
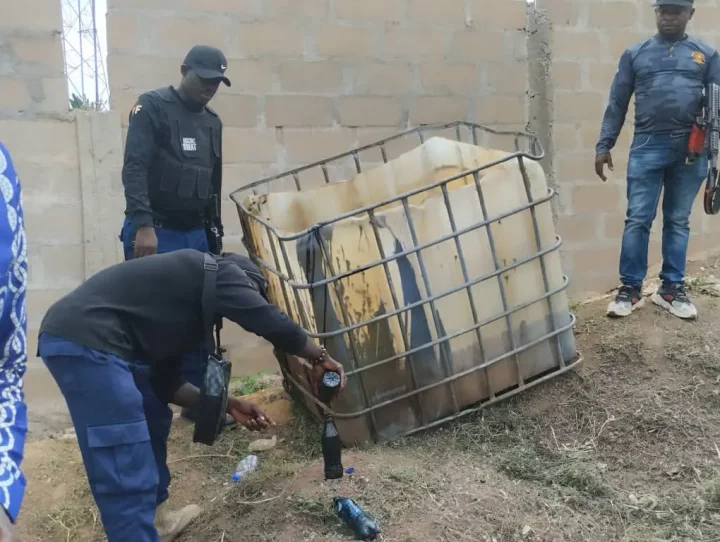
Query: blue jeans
x=169, y=240
x=122, y=429
x=657, y=162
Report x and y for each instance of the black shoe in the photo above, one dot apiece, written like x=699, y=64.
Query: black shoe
x=626, y=301
x=673, y=298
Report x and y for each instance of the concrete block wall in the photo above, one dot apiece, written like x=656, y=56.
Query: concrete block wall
x=41, y=136
x=313, y=78
x=68, y=166
x=32, y=76
x=587, y=40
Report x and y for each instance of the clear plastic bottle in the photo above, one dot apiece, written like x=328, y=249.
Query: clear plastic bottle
x=245, y=467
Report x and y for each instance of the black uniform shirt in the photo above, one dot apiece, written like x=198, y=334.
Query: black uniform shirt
x=151, y=130
x=150, y=310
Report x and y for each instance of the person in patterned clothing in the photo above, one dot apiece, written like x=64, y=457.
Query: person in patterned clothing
x=667, y=73
x=13, y=329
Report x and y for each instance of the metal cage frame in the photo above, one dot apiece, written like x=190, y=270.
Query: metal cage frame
x=291, y=286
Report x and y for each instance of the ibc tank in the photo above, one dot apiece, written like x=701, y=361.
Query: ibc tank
x=434, y=275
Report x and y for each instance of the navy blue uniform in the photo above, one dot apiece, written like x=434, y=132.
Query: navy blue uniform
x=173, y=161
x=114, y=346
x=172, y=169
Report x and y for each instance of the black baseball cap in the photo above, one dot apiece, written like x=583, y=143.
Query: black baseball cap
x=681, y=3
x=207, y=62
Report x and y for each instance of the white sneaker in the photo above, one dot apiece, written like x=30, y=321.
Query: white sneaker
x=170, y=524
x=673, y=298
x=628, y=299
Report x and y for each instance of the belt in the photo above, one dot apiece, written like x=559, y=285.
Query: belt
x=181, y=225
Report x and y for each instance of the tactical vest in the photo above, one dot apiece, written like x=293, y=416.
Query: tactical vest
x=182, y=170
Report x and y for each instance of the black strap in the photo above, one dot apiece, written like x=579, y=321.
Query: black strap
x=210, y=267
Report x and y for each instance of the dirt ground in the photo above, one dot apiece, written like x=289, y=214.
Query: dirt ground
x=626, y=448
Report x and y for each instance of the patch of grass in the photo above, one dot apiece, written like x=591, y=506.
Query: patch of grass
x=66, y=522
x=684, y=516
x=528, y=463
x=245, y=385
x=313, y=508
x=621, y=348
x=524, y=463
x=581, y=477
x=403, y=475
x=498, y=424
x=303, y=435
x=703, y=286
x=710, y=494
x=259, y=485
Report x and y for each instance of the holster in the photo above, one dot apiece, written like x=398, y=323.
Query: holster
x=216, y=380
x=214, y=239
x=213, y=228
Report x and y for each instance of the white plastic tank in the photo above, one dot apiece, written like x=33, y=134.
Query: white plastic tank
x=518, y=317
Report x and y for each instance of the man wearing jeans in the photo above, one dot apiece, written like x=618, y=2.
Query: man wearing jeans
x=667, y=73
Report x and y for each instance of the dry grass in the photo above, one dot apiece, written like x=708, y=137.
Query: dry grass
x=625, y=449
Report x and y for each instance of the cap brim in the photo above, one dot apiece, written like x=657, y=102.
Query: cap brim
x=210, y=75
x=679, y=3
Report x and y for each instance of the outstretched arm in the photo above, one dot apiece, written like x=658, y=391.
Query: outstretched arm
x=13, y=329
x=239, y=300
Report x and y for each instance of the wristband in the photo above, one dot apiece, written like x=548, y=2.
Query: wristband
x=322, y=357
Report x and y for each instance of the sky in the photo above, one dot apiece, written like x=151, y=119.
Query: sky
x=73, y=41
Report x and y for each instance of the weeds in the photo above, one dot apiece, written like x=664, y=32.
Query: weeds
x=312, y=508
x=621, y=348
x=245, y=385
x=703, y=286
x=531, y=464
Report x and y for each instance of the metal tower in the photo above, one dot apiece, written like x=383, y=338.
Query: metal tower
x=84, y=55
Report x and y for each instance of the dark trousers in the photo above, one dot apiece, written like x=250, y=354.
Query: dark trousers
x=168, y=241
x=122, y=429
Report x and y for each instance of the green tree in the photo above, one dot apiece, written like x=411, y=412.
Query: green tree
x=81, y=102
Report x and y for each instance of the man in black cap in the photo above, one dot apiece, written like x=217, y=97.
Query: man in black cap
x=667, y=73
x=172, y=172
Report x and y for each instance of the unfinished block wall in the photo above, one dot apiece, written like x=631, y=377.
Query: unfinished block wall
x=313, y=78
x=68, y=165
x=36, y=127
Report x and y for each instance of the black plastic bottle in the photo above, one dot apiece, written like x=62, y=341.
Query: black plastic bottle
x=330, y=440
x=362, y=524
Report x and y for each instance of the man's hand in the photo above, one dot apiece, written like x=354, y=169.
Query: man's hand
x=321, y=368
x=145, y=242
x=7, y=530
x=248, y=414
x=600, y=161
